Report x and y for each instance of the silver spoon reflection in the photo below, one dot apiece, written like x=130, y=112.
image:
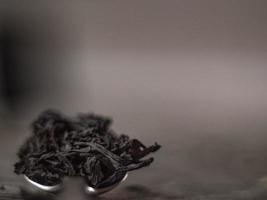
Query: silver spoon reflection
x=47, y=188
x=88, y=189
x=97, y=191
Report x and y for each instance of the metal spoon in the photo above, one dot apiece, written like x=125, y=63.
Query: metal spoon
x=97, y=191
x=53, y=188
x=88, y=189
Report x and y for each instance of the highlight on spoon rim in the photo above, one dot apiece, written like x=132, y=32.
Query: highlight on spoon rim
x=95, y=191
x=44, y=187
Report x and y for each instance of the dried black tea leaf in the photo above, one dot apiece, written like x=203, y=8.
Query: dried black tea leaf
x=81, y=146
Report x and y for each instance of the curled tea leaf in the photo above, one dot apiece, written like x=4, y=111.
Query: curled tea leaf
x=81, y=146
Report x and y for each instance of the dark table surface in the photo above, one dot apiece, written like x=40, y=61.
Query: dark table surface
x=208, y=167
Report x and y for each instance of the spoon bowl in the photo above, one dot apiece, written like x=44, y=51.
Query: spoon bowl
x=97, y=191
x=92, y=191
x=53, y=188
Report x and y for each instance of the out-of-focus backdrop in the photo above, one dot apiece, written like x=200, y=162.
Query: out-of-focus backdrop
x=188, y=74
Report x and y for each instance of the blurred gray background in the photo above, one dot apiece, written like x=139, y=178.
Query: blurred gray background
x=188, y=74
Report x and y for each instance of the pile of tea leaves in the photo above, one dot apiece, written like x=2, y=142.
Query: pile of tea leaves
x=79, y=146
